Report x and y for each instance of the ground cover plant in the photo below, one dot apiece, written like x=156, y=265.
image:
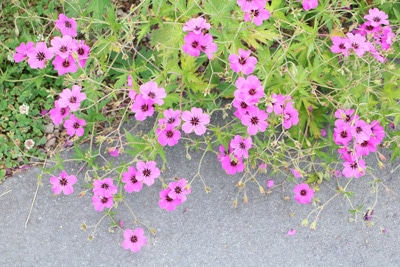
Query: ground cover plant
x=306, y=89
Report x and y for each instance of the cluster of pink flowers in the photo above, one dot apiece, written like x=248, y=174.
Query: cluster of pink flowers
x=145, y=173
x=134, y=240
x=103, y=194
x=357, y=139
x=63, y=48
x=254, y=10
x=174, y=194
x=282, y=105
x=232, y=160
x=198, y=40
x=69, y=101
x=143, y=103
x=63, y=183
x=374, y=36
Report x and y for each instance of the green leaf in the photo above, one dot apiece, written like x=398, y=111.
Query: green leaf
x=97, y=7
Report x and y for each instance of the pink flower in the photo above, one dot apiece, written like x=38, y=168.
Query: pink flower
x=57, y=114
x=131, y=183
x=296, y=173
x=360, y=130
x=377, y=17
x=150, y=91
x=147, y=172
x=62, y=46
x=251, y=87
x=74, y=126
x=309, y=4
x=257, y=16
x=100, y=202
x=248, y=5
x=64, y=65
x=172, y=117
x=342, y=134
x=276, y=104
x=378, y=132
x=71, y=98
x=243, y=105
x=232, y=166
x=166, y=202
x=66, y=25
x=179, y=189
x=358, y=43
x=83, y=51
x=104, y=187
x=255, y=121
x=340, y=45
x=208, y=46
x=291, y=232
x=241, y=146
x=270, y=183
x=168, y=136
x=63, y=183
x=386, y=39
x=114, y=152
x=290, y=116
x=192, y=44
x=343, y=116
x=22, y=51
x=195, y=120
x=242, y=62
x=143, y=108
x=354, y=169
x=303, y=193
x=38, y=56
x=196, y=25
x=134, y=240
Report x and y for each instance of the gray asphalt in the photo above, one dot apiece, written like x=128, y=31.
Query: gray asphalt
x=205, y=230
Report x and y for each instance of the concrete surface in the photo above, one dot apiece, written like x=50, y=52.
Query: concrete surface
x=203, y=231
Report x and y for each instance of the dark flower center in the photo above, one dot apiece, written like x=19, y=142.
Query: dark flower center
x=170, y=134
x=376, y=19
x=303, y=192
x=169, y=199
x=152, y=95
x=104, y=200
x=243, y=105
x=255, y=12
x=234, y=163
x=242, y=61
x=40, y=56
x=342, y=46
x=364, y=144
x=369, y=28
x=68, y=24
x=358, y=130
x=242, y=145
x=354, y=165
x=147, y=172
x=194, y=121
x=63, y=181
x=178, y=190
x=171, y=120
x=105, y=186
x=252, y=91
x=343, y=134
x=254, y=120
x=81, y=51
x=66, y=64
x=72, y=99
x=134, y=239
x=145, y=107
x=76, y=125
x=63, y=111
x=63, y=49
x=355, y=45
x=133, y=179
x=195, y=44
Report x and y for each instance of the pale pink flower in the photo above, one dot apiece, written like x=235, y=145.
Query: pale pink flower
x=241, y=146
x=168, y=135
x=64, y=65
x=248, y=5
x=251, y=87
x=62, y=46
x=151, y=91
x=340, y=45
x=242, y=62
x=257, y=16
x=255, y=121
x=104, y=187
x=66, y=25
x=309, y=4
x=358, y=43
x=38, y=56
x=195, y=120
x=232, y=165
x=208, y=46
x=143, y=108
x=83, y=51
x=134, y=240
x=270, y=183
x=290, y=116
x=57, y=114
x=354, y=169
x=192, y=44
x=100, y=202
x=196, y=25
x=179, y=189
x=377, y=17
x=22, y=51
x=71, y=98
x=147, y=172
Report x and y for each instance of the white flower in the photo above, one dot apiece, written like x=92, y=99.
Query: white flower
x=29, y=144
x=24, y=109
